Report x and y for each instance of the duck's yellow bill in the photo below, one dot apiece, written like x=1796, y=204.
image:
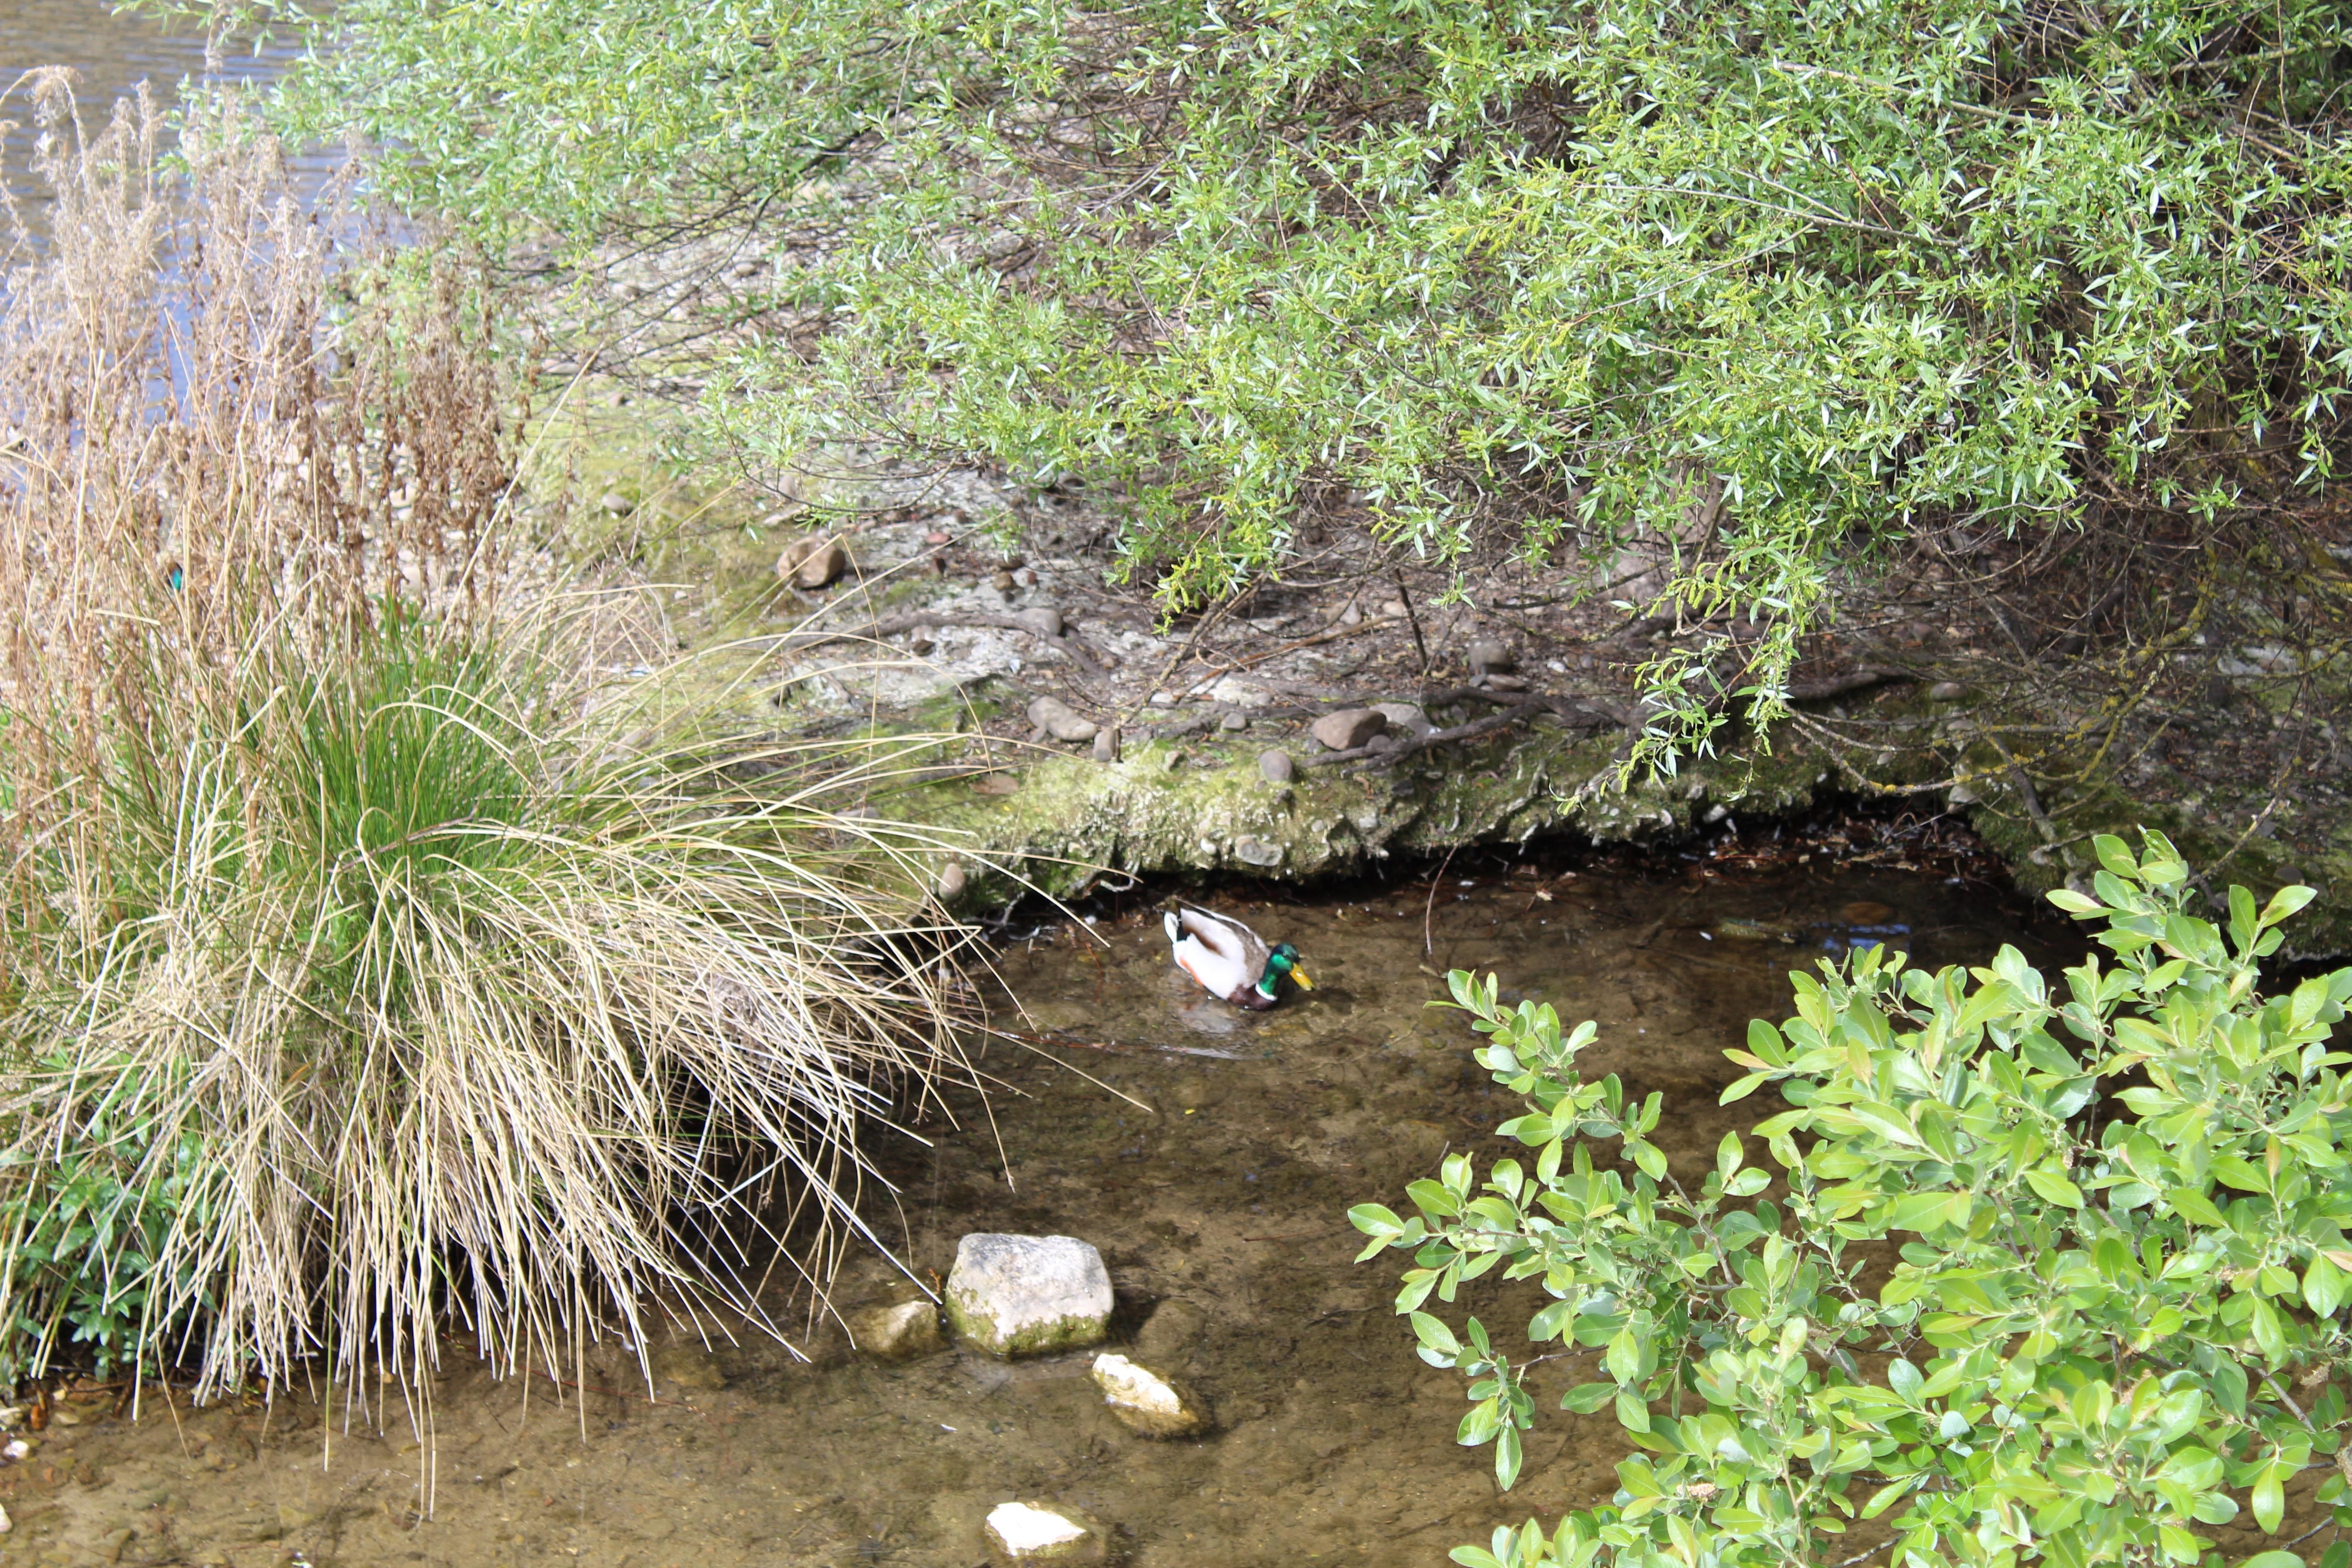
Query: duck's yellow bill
x=1300, y=975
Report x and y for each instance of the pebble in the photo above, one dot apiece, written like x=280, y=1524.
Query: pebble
x=7, y=1524
x=899, y=1333
x=617, y=504
x=1488, y=656
x=1059, y=719
x=812, y=562
x=1394, y=607
x=1003, y=583
x=1946, y=691
x=1348, y=727
x=1256, y=852
x=1027, y=1295
x=1145, y=1402
x=1866, y=912
x=1107, y=744
x=1043, y=619
x=1406, y=717
x=1163, y=700
x=1276, y=766
x=1045, y=1532
x=1234, y=722
x=951, y=881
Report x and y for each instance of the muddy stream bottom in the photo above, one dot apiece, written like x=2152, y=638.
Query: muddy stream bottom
x=1215, y=1180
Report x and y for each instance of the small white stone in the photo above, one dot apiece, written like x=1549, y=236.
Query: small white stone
x=1145, y=1402
x=1043, y=1532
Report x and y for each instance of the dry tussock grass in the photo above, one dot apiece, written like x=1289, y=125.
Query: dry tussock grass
x=352, y=987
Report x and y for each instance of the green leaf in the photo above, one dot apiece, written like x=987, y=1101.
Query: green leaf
x=1650, y=1158
x=2269, y=1500
x=1633, y=1411
x=2323, y=1286
x=1506, y=1457
x=2053, y=1187
x=1587, y=1397
x=2272, y=1559
x=2286, y=903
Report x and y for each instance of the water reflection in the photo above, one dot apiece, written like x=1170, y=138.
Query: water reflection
x=111, y=54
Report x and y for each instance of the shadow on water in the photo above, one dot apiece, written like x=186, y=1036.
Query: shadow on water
x=1213, y=1163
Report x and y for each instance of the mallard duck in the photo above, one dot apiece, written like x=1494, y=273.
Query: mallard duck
x=1231, y=960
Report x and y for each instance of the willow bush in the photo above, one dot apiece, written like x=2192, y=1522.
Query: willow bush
x=1728, y=298
x=355, y=988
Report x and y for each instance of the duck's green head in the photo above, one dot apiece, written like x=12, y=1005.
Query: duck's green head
x=1282, y=960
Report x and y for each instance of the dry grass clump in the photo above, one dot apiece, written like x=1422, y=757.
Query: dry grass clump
x=345, y=994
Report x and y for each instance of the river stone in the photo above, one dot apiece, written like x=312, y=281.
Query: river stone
x=1256, y=852
x=951, y=881
x=1946, y=691
x=1059, y=719
x=690, y=1366
x=617, y=504
x=1106, y=744
x=1348, y=727
x=1488, y=656
x=1045, y=1532
x=1026, y=1295
x=1043, y=620
x=812, y=562
x=1277, y=767
x=897, y=1333
x=1145, y=1402
x=1234, y=722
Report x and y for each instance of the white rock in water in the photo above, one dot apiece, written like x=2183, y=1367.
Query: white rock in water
x=1145, y=1402
x=1026, y=1295
x=1045, y=1532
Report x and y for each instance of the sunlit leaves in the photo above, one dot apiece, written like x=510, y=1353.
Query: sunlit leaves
x=2098, y=1312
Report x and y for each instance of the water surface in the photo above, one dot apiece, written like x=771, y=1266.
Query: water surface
x=1211, y=1154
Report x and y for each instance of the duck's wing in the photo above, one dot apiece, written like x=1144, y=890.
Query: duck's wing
x=1231, y=940
x=1209, y=954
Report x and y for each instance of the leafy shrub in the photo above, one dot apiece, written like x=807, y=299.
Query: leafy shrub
x=1726, y=299
x=2050, y=1275
x=356, y=985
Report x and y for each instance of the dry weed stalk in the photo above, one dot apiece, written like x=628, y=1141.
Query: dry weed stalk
x=348, y=994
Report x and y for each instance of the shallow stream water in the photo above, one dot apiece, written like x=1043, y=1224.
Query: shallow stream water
x=1211, y=1154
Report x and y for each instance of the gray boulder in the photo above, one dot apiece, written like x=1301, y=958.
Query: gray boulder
x=1028, y=1295
x=1277, y=767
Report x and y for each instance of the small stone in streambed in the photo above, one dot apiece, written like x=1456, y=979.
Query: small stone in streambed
x=1107, y=744
x=812, y=562
x=1866, y=912
x=1277, y=767
x=1059, y=719
x=1045, y=1532
x=1946, y=691
x=1234, y=722
x=1043, y=620
x=1145, y=1402
x=1487, y=656
x=897, y=1333
x=951, y=881
x=1405, y=717
x=1003, y=583
x=617, y=504
x=1028, y=1295
x=1348, y=727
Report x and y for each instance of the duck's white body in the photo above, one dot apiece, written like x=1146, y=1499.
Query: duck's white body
x=1225, y=956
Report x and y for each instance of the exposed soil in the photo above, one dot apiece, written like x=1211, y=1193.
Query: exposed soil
x=1217, y=1201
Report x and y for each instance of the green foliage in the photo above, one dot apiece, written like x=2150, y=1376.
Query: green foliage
x=1743, y=291
x=2049, y=1275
